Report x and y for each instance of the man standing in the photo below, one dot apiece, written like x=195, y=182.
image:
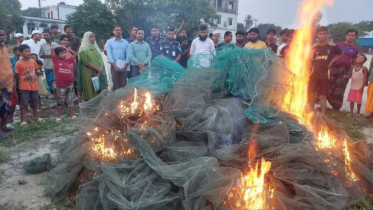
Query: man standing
x=284, y=39
x=45, y=53
x=324, y=55
x=342, y=67
x=6, y=85
x=204, y=47
x=184, y=52
x=271, y=44
x=289, y=37
x=254, y=42
x=155, y=42
x=171, y=47
x=240, y=39
x=19, y=38
x=35, y=42
x=74, y=41
x=227, y=39
x=118, y=57
x=55, y=36
x=140, y=53
x=132, y=35
x=215, y=38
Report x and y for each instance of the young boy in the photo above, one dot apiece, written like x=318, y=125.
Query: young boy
x=14, y=99
x=25, y=75
x=64, y=78
x=324, y=55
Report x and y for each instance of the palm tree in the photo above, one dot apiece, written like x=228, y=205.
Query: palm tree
x=248, y=21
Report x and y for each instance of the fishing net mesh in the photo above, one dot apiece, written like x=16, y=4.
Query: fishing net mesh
x=190, y=150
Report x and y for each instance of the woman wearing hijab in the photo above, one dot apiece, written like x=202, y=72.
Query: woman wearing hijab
x=91, y=65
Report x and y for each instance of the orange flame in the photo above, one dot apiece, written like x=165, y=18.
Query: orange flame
x=140, y=103
x=348, y=161
x=102, y=151
x=326, y=139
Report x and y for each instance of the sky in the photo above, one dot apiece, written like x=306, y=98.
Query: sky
x=278, y=12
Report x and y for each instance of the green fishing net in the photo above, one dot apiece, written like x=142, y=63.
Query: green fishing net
x=189, y=152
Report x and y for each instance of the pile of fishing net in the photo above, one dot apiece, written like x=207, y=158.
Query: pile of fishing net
x=187, y=146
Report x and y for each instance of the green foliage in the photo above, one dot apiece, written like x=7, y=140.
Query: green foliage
x=4, y=156
x=338, y=30
x=365, y=25
x=10, y=15
x=93, y=16
x=241, y=27
x=145, y=13
x=263, y=28
x=249, y=21
x=32, y=12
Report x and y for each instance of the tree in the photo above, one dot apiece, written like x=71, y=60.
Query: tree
x=93, y=16
x=249, y=21
x=32, y=12
x=263, y=28
x=338, y=31
x=164, y=14
x=241, y=27
x=365, y=25
x=10, y=15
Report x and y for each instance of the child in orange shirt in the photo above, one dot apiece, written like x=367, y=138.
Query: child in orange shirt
x=25, y=74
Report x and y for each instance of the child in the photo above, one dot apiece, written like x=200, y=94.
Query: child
x=14, y=99
x=25, y=74
x=41, y=87
x=34, y=57
x=64, y=78
x=359, y=77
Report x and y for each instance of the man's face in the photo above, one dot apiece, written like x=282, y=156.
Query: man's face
x=284, y=38
x=47, y=37
x=65, y=42
x=140, y=35
x=228, y=38
x=170, y=35
x=69, y=31
x=182, y=34
x=351, y=37
x=239, y=38
x=34, y=57
x=203, y=33
x=37, y=37
x=134, y=31
x=20, y=39
x=26, y=53
x=185, y=43
x=270, y=36
x=54, y=30
x=117, y=32
x=253, y=37
x=155, y=32
x=2, y=36
x=215, y=37
x=322, y=35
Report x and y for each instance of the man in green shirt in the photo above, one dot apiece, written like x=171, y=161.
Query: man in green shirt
x=140, y=53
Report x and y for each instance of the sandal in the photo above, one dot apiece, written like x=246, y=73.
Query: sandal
x=58, y=120
x=23, y=123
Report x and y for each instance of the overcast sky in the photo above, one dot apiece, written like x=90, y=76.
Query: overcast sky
x=279, y=12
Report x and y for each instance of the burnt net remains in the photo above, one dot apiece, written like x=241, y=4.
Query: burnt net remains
x=190, y=140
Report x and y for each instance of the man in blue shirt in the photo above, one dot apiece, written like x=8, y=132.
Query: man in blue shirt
x=118, y=57
x=14, y=59
x=171, y=47
x=155, y=42
x=132, y=35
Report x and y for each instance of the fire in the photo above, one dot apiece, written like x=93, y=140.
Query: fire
x=139, y=104
x=346, y=153
x=102, y=151
x=326, y=139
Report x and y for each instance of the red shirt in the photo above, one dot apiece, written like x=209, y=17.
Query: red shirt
x=350, y=52
x=63, y=71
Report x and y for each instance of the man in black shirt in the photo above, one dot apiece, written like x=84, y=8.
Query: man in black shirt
x=184, y=44
x=155, y=42
x=323, y=56
x=271, y=33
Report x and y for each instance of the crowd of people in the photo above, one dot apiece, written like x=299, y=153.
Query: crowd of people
x=74, y=68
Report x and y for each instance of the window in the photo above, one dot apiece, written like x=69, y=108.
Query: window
x=230, y=21
x=230, y=5
x=43, y=25
x=30, y=27
x=220, y=3
x=218, y=21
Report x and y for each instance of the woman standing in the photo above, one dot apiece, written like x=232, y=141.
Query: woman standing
x=91, y=65
x=369, y=104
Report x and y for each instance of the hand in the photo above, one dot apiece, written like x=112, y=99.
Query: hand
x=99, y=71
x=98, y=75
x=116, y=68
x=141, y=65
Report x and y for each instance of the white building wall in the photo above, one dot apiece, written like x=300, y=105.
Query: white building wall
x=224, y=25
x=64, y=10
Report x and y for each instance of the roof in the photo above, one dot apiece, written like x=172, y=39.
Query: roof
x=44, y=19
x=368, y=36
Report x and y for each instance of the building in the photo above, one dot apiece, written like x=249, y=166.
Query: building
x=228, y=11
x=52, y=15
x=366, y=42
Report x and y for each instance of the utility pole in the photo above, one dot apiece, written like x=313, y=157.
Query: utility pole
x=41, y=14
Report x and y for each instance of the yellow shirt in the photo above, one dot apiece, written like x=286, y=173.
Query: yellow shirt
x=257, y=45
x=6, y=73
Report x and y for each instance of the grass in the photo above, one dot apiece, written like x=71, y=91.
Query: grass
x=366, y=204
x=4, y=156
x=353, y=126
x=66, y=204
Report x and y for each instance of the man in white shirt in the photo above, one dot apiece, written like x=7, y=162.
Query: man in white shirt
x=284, y=39
x=202, y=48
x=35, y=42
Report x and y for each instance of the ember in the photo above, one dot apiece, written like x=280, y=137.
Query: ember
x=138, y=105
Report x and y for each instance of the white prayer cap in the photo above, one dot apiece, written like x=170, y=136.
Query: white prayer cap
x=35, y=32
x=19, y=35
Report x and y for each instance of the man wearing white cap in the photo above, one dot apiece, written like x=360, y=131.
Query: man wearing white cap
x=19, y=38
x=35, y=42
